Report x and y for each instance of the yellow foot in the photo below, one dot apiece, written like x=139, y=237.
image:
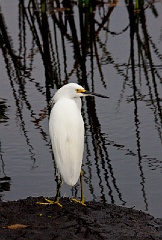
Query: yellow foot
x=49, y=202
x=78, y=201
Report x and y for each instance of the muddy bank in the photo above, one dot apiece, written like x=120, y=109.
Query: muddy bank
x=73, y=221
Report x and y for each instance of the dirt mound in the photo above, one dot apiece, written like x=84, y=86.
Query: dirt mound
x=25, y=219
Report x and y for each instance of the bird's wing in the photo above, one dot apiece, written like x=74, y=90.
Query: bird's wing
x=66, y=129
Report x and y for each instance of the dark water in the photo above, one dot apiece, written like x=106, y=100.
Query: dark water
x=115, y=51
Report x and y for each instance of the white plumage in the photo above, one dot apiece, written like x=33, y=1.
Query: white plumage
x=66, y=128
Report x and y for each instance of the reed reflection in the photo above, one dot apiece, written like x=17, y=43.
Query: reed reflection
x=4, y=179
x=139, y=33
x=72, y=41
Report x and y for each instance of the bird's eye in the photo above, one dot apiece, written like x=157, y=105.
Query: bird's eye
x=79, y=90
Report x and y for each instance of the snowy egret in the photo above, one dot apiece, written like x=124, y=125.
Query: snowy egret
x=66, y=129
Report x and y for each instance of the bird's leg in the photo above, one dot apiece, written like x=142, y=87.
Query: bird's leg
x=58, y=192
x=82, y=188
x=48, y=201
x=82, y=191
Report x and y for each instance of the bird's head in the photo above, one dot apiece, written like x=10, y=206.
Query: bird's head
x=73, y=90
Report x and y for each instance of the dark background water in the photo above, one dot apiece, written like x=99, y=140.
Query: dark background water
x=115, y=50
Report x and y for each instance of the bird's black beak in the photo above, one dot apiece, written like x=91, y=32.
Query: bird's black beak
x=94, y=94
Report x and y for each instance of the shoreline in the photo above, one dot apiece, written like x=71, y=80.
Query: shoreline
x=25, y=219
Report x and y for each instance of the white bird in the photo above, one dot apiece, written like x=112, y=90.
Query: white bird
x=66, y=129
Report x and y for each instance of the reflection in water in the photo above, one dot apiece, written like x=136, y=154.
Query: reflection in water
x=3, y=109
x=101, y=156
x=4, y=179
x=73, y=41
x=144, y=50
x=133, y=28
